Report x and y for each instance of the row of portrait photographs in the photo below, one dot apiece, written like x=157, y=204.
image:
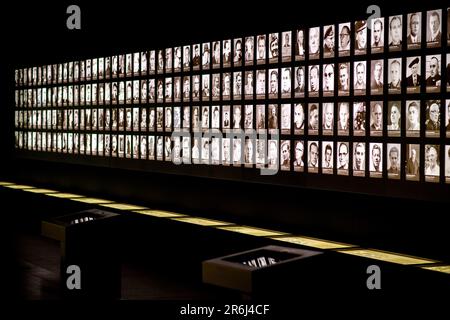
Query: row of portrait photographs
x=231, y=86
x=327, y=157
x=375, y=118
x=253, y=49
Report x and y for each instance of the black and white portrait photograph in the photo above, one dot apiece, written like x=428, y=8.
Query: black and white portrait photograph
x=237, y=151
x=394, y=76
x=448, y=27
x=285, y=155
x=121, y=68
x=433, y=73
x=393, y=160
x=196, y=90
x=159, y=148
x=226, y=85
x=260, y=84
x=260, y=117
x=176, y=89
x=314, y=43
x=216, y=85
x=249, y=152
x=196, y=57
x=376, y=160
x=272, y=119
x=313, y=118
x=215, y=117
x=432, y=118
x=237, y=52
x=448, y=72
x=343, y=122
x=216, y=56
x=249, y=50
x=151, y=147
x=237, y=85
x=328, y=41
x=273, y=83
x=286, y=118
x=359, y=159
x=176, y=118
x=206, y=56
x=342, y=158
x=412, y=115
x=447, y=163
x=299, y=45
x=395, y=33
x=377, y=41
x=344, y=39
x=226, y=117
x=360, y=37
x=327, y=157
x=327, y=118
x=447, y=118
x=168, y=119
x=313, y=156
x=177, y=59
x=196, y=120
x=359, y=119
x=186, y=118
x=167, y=149
x=413, y=74
x=414, y=31
x=186, y=58
x=215, y=150
x=273, y=47
x=328, y=79
x=286, y=46
x=205, y=117
x=261, y=49
x=285, y=82
x=159, y=118
x=432, y=163
x=169, y=60
x=151, y=62
x=186, y=88
x=299, y=86
x=128, y=65
x=359, y=78
x=344, y=79
x=248, y=85
x=314, y=78
x=226, y=53
x=151, y=95
x=299, y=150
x=226, y=151
x=248, y=117
x=434, y=28
x=206, y=91
x=160, y=90
x=394, y=119
x=376, y=77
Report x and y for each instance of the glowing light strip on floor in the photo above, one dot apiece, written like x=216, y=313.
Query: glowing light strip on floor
x=160, y=213
x=387, y=256
x=123, y=206
x=253, y=231
x=44, y=191
x=92, y=200
x=443, y=269
x=64, y=195
x=313, y=242
x=258, y=232
x=19, y=187
x=203, y=221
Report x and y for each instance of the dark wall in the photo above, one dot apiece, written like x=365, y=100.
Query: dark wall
x=36, y=33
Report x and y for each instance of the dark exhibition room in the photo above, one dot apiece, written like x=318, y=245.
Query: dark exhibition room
x=231, y=160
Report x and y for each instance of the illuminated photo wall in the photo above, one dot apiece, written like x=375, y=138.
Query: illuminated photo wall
x=343, y=99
